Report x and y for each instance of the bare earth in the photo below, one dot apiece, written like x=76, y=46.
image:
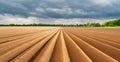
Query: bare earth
x=59, y=44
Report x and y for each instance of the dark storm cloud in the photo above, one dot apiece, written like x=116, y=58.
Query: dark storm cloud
x=61, y=9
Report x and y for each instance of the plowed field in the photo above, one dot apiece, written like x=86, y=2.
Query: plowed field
x=59, y=44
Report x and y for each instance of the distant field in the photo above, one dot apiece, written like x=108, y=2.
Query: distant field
x=59, y=44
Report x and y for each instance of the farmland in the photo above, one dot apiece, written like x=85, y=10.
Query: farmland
x=59, y=44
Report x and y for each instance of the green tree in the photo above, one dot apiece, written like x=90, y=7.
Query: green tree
x=112, y=23
x=93, y=24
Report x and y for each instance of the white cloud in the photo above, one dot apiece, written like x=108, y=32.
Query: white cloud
x=39, y=9
x=70, y=11
x=83, y=12
x=55, y=1
x=78, y=21
x=65, y=10
x=104, y=2
x=15, y=19
x=71, y=21
x=33, y=13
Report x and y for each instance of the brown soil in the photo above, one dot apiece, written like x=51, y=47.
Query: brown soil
x=59, y=44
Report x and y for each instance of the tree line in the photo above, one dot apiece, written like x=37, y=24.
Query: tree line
x=111, y=23
x=40, y=24
x=108, y=23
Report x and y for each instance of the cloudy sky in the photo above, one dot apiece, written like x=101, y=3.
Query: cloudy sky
x=58, y=11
